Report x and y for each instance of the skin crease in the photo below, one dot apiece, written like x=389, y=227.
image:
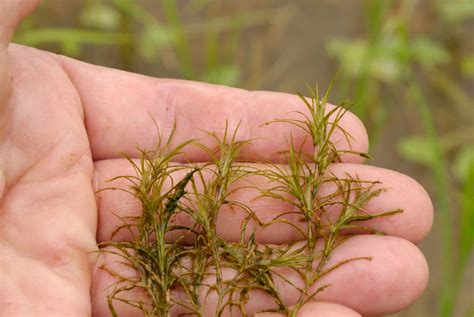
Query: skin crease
x=62, y=122
x=2, y=183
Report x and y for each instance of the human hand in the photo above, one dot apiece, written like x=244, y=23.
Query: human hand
x=63, y=125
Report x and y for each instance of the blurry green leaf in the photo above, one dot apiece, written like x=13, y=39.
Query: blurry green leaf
x=417, y=149
x=386, y=69
x=71, y=48
x=153, y=39
x=467, y=66
x=456, y=10
x=381, y=61
x=134, y=9
x=224, y=75
x=463, y=162
x=390, y=60
x=429, y=53
x=467, y=217
x=101, y=16
x=67, y=36
x=350, y=55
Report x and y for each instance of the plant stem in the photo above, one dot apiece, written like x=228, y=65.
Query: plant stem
x=448, y=293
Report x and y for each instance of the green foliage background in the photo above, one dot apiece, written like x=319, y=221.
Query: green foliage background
x=408, y=65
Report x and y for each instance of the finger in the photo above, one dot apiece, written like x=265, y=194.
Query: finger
x=394, y=278
x=319, y=309
x=412, y=224
x=120, y=108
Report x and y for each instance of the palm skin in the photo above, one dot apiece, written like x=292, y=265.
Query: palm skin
x=48, y=211
x=62, y=126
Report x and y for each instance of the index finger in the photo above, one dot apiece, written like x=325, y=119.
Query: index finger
x=120, y=108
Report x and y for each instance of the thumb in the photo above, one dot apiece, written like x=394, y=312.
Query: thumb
x=11, y=13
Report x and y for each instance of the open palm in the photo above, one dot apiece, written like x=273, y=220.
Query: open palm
x=63, y=125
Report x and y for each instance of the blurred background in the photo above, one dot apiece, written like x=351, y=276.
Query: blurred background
x=407, y=65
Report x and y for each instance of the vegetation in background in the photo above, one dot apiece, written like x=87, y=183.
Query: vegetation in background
x=213, y=270
x=159, y=36
x=386, y=69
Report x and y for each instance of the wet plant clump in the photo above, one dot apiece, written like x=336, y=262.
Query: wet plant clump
x=186, y=268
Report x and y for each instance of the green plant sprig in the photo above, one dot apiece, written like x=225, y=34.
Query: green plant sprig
x=148, y=253
x=300, y=185
x=228, y=272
